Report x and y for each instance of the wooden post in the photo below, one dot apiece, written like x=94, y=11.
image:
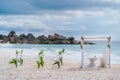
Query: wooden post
x=82, y=52
x=17, y=58
x=109, y=62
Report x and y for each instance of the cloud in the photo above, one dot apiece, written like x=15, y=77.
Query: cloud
x=83, y=27
x=44, y=6
x=16, y=7
x=109, y=1
x=82, y=13
x=112, y=21
x=23, y=22
x=45, y=24
x=80, y=20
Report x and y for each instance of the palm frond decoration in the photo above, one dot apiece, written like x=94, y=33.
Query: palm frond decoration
x=81, y=46
x=40, y=62
x=61, y=61
x=61, y=56
x=17, y=52
x=14, y=61
x=20, y=61
x=41, y=53
x=17, y=60
x=109, y=39
x=61, y=52
x=57, y=63
x=108, y=46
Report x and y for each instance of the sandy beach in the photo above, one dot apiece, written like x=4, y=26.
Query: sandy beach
x=69, y=71
x=59, y=39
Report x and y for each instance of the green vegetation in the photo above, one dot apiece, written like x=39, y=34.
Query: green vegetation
x=40, y=62
x=13, y=61
x=61, y=56
x=17, y=60
x=59, y=62
x=21, y=60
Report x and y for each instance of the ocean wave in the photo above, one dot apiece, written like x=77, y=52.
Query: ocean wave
x=6, y=45
x=52, y=53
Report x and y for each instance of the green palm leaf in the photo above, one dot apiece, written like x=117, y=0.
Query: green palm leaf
x=17, y=59
x=17, y=52
x=56, y=63
x=41, y=52
x=61, y=61
x=20, y=61
x=38, y=64
x=13, y=61
x=41, y=61
x=61, y=52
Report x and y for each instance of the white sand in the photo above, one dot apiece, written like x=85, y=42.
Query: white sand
x=69, y=71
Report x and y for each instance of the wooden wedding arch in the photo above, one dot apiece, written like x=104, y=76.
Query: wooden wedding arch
x=82, y=49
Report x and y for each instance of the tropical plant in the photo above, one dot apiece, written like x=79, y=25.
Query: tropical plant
x=13, y=61
x=40, y=62
x=41, y=53
x=21, y=60
x=17, y=60
x=59, y=62
x=61, y=56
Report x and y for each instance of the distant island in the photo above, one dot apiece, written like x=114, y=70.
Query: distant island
x=42, y=39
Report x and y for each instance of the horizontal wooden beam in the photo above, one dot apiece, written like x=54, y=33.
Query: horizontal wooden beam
x=97, y=38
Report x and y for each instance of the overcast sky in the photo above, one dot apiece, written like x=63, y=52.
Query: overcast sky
x=66, y=17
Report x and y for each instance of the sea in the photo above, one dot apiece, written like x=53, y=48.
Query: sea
x=72, y=51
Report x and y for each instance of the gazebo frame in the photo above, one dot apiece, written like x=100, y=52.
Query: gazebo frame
x=82, y=49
